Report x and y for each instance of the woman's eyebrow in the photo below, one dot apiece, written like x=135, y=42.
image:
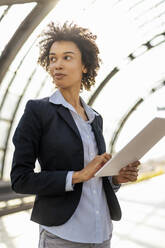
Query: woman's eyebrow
x=63, y=53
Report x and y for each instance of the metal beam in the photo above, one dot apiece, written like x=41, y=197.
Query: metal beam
x=102, y=85
x=23, y=32
x=11, y=2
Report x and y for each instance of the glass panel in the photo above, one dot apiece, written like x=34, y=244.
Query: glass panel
x=22, y=11
x=121, y=25
x=36, y=83
x=120, y=32
x=139, y=119
x=154, y=28
x=5, y=84
x=47, y=88
x=158, y=40
x=143, y=15
x=1, y=158
x=4, y=128
x=28, y=49
x=9, y=106
x=24, y=73
x=160, y=103
x=130, y=84
x=2, y=11
x=146, y=8
x=7, y=164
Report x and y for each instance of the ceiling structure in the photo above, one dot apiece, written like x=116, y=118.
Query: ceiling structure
x=131, y=37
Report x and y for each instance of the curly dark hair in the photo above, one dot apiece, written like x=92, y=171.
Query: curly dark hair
x=84, y=40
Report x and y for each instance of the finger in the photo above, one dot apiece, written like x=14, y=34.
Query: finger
x=132, y=166
x=107, y=155
x=129, y=169
x=132, y=174
x=130, y=178
x=101, y=162
x=105, y=159
x=135, y=163
x=129, y=174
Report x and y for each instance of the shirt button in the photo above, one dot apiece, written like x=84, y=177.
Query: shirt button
x=94, y=191
x=97, y=212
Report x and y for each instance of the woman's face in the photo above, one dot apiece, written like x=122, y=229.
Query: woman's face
x=65, y=64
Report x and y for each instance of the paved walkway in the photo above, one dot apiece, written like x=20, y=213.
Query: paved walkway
x=142, y=224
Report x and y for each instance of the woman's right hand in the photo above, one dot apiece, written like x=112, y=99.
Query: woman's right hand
x=90, y=169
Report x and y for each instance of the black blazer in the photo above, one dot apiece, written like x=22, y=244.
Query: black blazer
x=47, y=132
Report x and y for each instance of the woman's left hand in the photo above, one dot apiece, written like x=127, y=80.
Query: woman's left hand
x=128, y=173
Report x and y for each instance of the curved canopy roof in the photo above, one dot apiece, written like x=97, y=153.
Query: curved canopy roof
x=129, y=89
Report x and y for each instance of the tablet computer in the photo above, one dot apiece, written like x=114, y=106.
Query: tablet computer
x=136, y=148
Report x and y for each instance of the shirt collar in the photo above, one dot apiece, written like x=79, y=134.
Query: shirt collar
x=57, y=98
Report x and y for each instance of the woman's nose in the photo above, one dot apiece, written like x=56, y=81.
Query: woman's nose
x=58, y=65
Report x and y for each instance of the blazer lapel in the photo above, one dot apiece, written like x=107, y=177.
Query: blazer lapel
x=66, y=115
x=98, y=135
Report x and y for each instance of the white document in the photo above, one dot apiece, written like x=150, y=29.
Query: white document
x=136, y=148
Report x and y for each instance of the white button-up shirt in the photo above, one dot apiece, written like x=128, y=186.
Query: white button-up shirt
x=91, y=222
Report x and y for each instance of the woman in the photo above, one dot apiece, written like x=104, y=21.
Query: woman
x=73, y=208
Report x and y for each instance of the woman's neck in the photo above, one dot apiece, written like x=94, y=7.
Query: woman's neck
x=72, y=96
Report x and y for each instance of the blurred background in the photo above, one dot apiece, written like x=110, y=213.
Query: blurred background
x=129, y=92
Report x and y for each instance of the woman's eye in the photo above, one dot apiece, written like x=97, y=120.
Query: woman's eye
x=52, y=59
x=67, y=57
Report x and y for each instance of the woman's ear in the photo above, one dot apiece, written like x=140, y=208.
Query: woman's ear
x=84, y=69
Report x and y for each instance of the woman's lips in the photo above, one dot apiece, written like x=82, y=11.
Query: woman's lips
x=59, y=75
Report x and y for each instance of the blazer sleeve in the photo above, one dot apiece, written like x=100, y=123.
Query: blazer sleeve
x=26, y=140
